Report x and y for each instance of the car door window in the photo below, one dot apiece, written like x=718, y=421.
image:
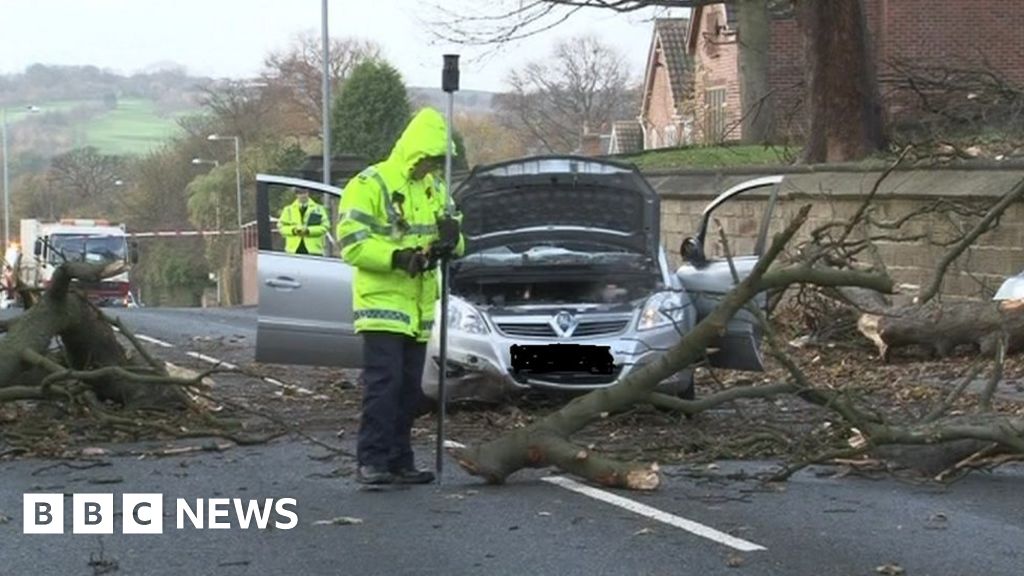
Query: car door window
x=279, y=196
x=305, y=300
x=745, y=218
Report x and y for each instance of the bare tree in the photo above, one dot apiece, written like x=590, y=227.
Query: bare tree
x=294, y=75
x=486, y=140
x=84, y=180
x=582, y=89
x=242, y=109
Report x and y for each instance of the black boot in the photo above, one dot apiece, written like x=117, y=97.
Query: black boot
x=373, y=475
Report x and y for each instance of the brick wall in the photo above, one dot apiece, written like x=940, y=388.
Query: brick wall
x=716, y=66
x=838, y=194
x=661, y=107
x=786, y=81
x=948, y=32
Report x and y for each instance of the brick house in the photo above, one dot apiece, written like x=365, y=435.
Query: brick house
x=712, y=44
x=664, y=115
x=917, y=32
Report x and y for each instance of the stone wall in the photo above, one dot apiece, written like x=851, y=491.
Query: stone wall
x=836, y=193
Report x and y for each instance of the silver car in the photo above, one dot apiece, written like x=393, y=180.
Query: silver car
x=564, y=286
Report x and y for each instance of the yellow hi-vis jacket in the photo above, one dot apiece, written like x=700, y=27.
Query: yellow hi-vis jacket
x=383, y=210
x=315, y=220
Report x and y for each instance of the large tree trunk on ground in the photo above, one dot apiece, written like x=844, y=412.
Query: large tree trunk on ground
x=942, y=327
x=90, y=344
x=844, y=103
x=754, y=44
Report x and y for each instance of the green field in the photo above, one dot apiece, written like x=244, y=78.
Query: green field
x=713, y=157
x=133, y=128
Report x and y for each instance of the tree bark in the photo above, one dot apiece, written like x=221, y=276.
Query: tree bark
x=844, y=104
x=941, y=327
x=754, y=45
x=89, y=344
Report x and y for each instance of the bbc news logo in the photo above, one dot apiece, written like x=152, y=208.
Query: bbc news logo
x=144, y=513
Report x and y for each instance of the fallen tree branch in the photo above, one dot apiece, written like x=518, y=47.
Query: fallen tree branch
x=955, y=393
x=691, y=407
x=497, y=459
x=932, y=288
x=985, y=401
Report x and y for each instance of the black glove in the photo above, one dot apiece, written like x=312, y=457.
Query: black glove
x=448, y=231
x=412, y=260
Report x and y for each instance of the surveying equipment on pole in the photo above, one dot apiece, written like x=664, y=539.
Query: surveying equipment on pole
x=450, y=84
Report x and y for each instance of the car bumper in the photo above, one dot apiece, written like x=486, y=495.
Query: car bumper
x=479, y=366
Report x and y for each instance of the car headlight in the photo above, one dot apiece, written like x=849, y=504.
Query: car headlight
x=464, y=318
x=662, y=309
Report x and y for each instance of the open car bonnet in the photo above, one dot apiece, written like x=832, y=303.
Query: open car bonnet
x=559, y=200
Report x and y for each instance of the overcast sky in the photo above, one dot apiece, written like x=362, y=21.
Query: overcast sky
x=229, y=38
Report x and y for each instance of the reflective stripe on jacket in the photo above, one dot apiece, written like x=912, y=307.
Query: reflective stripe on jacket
x=383, y=210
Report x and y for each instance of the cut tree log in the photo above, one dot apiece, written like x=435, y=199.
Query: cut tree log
x=89, y=342
x=940, y=327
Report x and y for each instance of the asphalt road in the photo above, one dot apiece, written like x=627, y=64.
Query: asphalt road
x=815, y=524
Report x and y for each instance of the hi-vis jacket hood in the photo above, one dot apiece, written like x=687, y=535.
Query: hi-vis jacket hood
x=424, y=137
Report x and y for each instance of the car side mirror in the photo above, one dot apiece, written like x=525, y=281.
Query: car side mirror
x=691, y=252
x=133, y=252
x=38, y=248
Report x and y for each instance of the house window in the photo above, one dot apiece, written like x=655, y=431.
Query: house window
x=714, y=116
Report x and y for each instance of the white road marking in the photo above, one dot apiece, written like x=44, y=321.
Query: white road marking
x=655, y=514
x=152, y=340
x=212, y=360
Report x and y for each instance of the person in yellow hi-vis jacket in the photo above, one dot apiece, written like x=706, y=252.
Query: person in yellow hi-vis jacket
x=392, y=229
x=303, y=224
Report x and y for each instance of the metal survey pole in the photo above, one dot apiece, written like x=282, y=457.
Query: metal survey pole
x=325, y=87
x=450, y=84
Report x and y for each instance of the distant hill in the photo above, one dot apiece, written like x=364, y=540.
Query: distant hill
x=128, y=114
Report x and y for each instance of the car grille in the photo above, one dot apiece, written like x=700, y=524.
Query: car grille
x=585, y=329
x=529, y=330
x=600, y=328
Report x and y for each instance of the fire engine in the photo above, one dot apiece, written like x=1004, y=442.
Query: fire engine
x=46, y=245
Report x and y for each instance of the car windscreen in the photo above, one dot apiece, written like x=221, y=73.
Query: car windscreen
x=83, y=248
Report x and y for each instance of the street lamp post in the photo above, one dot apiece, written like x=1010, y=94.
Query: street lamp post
x=7, y=180
x=216, y=211
x=238, y=175
x=216, y=207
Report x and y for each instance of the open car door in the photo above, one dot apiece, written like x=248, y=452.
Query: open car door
x=305, y=300
x=708, y=278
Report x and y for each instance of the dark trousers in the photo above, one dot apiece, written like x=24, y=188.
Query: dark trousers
x=392, y=376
